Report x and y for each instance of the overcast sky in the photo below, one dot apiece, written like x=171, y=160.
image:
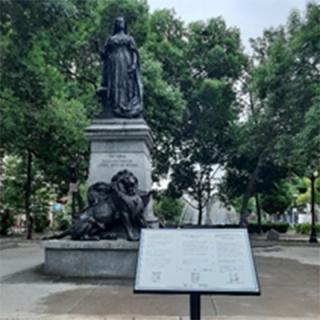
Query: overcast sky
x=250, y=16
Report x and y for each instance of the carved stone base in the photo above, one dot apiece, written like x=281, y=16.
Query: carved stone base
x=110, y=259
x=118, y=144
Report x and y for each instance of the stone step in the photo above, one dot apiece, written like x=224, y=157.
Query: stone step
x=8, y=243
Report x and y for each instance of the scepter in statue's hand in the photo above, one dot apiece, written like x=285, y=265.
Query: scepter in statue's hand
x=101, y=91
x=98, y=50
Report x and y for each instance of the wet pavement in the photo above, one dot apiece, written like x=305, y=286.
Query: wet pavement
x=289, y=276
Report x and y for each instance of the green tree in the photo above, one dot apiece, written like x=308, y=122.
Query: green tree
x=12, y=184
x=49, y=73
x=168, y=209
x=278, y=200
x=167, y=42
x=281, y=85
x=35, y=45
x=214, y=61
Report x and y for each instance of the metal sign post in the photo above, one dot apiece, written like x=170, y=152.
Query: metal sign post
x=196, y=262
x=195, y=306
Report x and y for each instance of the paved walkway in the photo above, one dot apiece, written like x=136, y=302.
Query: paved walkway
x=290, y=283
x=82, y=317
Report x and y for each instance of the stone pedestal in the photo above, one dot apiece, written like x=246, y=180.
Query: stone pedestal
x=118, y=144
x=110, y=259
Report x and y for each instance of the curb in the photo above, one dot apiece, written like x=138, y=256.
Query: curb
x=141, y=317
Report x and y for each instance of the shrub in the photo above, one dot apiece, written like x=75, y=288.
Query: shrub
x=281, y=227
x=61, y=221
x=6, y=221
x=41, y=221
x=40, y=208
x=305, y=228
x=252, y=227
x=168, y=209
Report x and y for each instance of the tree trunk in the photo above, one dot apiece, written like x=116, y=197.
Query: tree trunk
x=200, y=213
x=29, y=218
x=258, y=213
x=200, y=206
x=248, y=194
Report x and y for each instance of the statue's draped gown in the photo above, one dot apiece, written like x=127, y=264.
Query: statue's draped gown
x=124, y=88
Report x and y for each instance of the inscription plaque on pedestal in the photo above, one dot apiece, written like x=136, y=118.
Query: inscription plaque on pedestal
x=118, y=161
x=196, y=260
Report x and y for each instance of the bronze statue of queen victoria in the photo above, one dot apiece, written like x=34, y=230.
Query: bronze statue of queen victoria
x=121, y=88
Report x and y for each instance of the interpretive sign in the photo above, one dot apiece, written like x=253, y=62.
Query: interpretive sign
x=196, y=261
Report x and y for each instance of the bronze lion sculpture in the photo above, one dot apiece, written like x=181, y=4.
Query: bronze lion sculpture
x=110, y=206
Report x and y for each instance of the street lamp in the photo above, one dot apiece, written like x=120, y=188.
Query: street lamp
x=313, y=234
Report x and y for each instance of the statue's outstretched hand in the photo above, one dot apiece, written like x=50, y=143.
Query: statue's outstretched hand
x=99, y=51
